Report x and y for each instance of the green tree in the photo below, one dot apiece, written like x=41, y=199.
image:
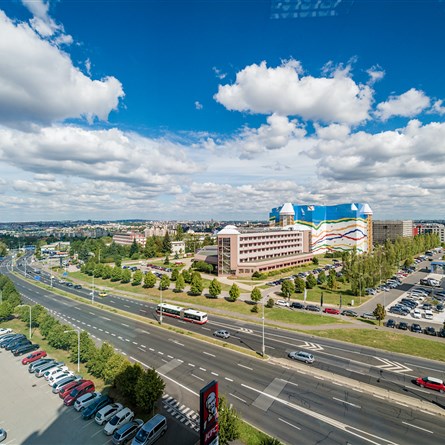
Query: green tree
x=179, y=233
x=57, y=338
x=6, y=310
x=115, y=365
x=322, y=277
x=107, y=272
x=287, y=288
x=150, y=248
x=126, y=276
x=234, y=292
x=116, y=274
x=165, y=282
x=148, y=390
x=270, y=303
x=87, y=347
x=166, y=243
x=174, y=275
x=379, y=313
x=332, y=280
x=99, y=359
x=255, y=295
x=315, y=261
x=167, y=260
x=3, y=249
x=229, y=422
x=187, y=276
x=300, y=284
x=126, y=380
x=149, y=280
x=98, y=270
x=137, y=278
x=134, y=248
x=180, y=283
x=196, y=286
x=270, y=441
x=214, y=288
x=311, y=281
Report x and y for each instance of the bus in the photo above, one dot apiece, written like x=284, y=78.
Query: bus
x=190, y=315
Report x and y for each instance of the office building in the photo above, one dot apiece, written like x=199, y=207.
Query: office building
x=391, y=230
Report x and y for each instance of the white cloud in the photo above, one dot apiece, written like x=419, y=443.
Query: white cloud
x=219, y=74
x=284, y=90
x=198, y=105
x=408, y=104
x=438, y=107
x=36, y=70
x=375, y=74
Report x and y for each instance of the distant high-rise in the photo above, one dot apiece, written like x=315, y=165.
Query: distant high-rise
x=333, y=228
x=391, y=230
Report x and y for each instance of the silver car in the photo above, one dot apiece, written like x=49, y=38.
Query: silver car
x=3, y=434
x=222, y=333
x=302, y=356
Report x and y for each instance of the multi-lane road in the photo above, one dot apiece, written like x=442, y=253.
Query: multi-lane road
x=288, y=403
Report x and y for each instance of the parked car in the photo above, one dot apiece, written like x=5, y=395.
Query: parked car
x=63, y=383
x=441, y=333
x=151, y=431
x=120, y=418
x=331, y=310
x=65, y=390
x=96, y=406
x=301, y=356
x=349, y=313
x=33, y=357
x=53, y=371
x=283, y=303
x=33, y=366
x=403, y=326
x=126, y=432
x=4, y=331
x=24, y=349
x=416, y=328
x=429, y=330
x=3, y=434
x=431, y=383
x=416, y=313
x=107, y=412
x=369, y=316
x=313, y=308
x=222, y=333
x=40, y=370
x=428, y=315
x=297, y=305
x=78, y=391
x=17, y=342
x=86, y=400
x=59, y=376
x=391, y=323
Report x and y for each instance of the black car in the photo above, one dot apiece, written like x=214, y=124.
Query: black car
x=91, y=410
x=15, y=343
x=416, y=328
x=9, y=338
x=25, y=348
x=429, y=330
x=77, y=286
x=403, y=325
x=349, y=313
x=297, y=305
x=391, y=323
x=441, y=333
x=313, y=308
x=69, y=284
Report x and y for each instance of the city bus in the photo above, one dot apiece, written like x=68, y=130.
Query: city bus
x=191, y=315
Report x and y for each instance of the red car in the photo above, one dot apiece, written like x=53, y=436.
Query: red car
x=84, y=388
x=33, y=357
x=431, y=383
x=331, y=310
x=65, y=391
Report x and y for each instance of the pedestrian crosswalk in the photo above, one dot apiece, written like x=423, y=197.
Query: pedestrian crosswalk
x=181, y=412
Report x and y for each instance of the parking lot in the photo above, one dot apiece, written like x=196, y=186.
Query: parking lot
x=32, y=414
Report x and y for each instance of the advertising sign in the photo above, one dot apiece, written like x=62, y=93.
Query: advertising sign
x=208, y=398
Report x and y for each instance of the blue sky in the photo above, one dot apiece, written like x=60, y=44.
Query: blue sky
x=220, y=109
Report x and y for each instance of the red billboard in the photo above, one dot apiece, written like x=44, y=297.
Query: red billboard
x=208, y=405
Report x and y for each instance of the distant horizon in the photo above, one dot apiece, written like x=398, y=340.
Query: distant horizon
x=220, y=109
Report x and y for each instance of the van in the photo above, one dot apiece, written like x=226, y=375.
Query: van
x=151, y=431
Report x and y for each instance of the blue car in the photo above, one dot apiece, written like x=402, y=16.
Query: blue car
x=91, y=410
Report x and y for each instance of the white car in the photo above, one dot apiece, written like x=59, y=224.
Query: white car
x=4, y=331
x=55, y=378
x=283, y=303
x=428, y=315
x=86, y=400
x=416, y=313
x=120, y=418
x=107, y=412
x=52, y=371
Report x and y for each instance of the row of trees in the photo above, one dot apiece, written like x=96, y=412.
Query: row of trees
x=9, y=297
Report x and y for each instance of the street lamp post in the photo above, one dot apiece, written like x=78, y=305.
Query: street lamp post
x=160, y=307
x=92, y=292
x=263, y=347
x=30, y=321
x=78, y=346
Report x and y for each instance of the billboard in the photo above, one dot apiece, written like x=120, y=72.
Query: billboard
x=208, y=406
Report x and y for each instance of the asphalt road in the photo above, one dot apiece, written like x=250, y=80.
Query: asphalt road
x=290, y=405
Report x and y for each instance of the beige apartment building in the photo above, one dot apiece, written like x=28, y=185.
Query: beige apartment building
x=243, y=253
x=391, y=230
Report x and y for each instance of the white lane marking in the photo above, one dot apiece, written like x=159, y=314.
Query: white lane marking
x=243, y=366
x=378, y=397
x=402, y=404
x=335, y=423
x=100, y=329
x=91, y=313
x=151, y=349
x=114, y=335
x=357, y=390
x=236, y=397
x=196, y=377
x=135, y=343
x=160, y=352
x=203, y=369
x=126, y=325
x=291, y=383
x=143, y=350
x=287, y=423
x=105, y=318
x=208, y=353
x=111, y=301
x=317, y=377
x=206, y=329
x=418, y=427
x=338, y=384
x=214, y=373
x=347, y=403
x=143, y=346
x=427, y=412
x=170, y=356
x=192, y=365
x=424, y=367
x=142, y=310
x=227, y=378
x=126, y=305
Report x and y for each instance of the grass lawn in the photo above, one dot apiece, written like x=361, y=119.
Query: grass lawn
x=389, y=341
x=299, y=317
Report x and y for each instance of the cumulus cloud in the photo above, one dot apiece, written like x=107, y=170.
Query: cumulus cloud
x=286, y=91
x=438, y=107
x=408, y=104
x=40, y=84
x=375, y=74
x=198, y=105
x=110, y=155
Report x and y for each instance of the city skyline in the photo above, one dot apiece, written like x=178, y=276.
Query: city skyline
x=199, y=110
